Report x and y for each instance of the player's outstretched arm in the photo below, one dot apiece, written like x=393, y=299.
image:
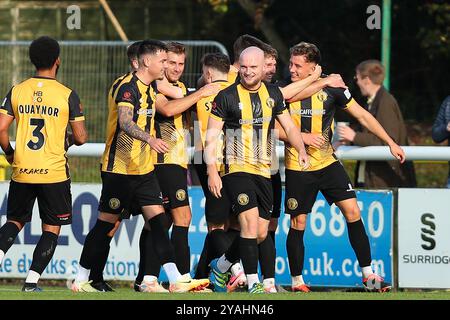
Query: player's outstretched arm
x=169, y=90
x=127, y=125
x=294, y=138
x=369, y=121
x=298, y=86
x=173, y=107
x=333, y=80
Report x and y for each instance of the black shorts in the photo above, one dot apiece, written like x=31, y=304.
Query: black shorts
x=172, y=179
x=126, y=194
x=54, y=200
x=302, y=188
x=277, y=194
x=217, y=210
x=248, y=191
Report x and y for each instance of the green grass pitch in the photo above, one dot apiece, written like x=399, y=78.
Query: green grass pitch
x=12, y=292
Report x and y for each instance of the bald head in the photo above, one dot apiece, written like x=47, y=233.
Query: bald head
x=252, y=67
x=253, y=53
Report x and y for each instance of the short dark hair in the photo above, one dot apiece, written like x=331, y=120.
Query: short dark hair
x=373, y=69
x=245, y=41
x=132, y=50
x=270, y=51
x=43, y=52
x=176, y=47
x=309, y=50
x=218, y=61
x=151, y=47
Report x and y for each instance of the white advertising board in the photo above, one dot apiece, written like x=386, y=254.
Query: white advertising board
x=123, y=261
x=424, y=238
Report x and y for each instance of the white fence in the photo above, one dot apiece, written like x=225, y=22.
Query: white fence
x=343, y=153
x=426, y=153
x=380, y=153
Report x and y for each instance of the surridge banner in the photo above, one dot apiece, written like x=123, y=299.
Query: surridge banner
x=424, y=238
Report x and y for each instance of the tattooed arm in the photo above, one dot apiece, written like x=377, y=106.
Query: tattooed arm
x=130, y=127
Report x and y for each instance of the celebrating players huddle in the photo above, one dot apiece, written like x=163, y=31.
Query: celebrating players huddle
x=241, y=112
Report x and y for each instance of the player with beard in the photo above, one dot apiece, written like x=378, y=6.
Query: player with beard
x=246, y=111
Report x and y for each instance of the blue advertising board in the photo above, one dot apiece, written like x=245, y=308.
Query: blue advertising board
x=329, y=258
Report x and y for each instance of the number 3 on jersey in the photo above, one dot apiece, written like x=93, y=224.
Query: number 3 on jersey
x=39, y=123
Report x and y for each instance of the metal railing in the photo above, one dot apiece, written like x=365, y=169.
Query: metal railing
x=84, y=161
x=375, y=153
x=424, y=153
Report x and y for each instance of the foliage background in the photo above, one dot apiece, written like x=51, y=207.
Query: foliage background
x=419, y=57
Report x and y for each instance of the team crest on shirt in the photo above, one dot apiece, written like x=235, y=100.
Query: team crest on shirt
x=270, y=102
x=127, y=96
x=180, y=194
x=292, y=204
x=114, y=203
x=243, y=199
x=322, y=96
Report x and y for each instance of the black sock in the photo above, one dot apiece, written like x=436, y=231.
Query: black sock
x=148, y=259
x=267, y=257
x=233, y=253
x=95, y=243
x=43, y=252
x=219, y=243
x=142, y=255
x=96, y=273
x=272, y=236
x=160, y=236
x=180, y=244
x=202, y=269
x=152, y=262
x=232, y=234
x=360, y=242
x=248, y=249
x=8, y=233
x=296, y=251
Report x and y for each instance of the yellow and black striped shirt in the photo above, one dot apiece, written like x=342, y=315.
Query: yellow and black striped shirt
x=233, y=75
x=124, y=154
x=173, y=131
x=42, y=108
x=315, y=115
x=249, y=118
x=113, y=90
x=204, y=107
